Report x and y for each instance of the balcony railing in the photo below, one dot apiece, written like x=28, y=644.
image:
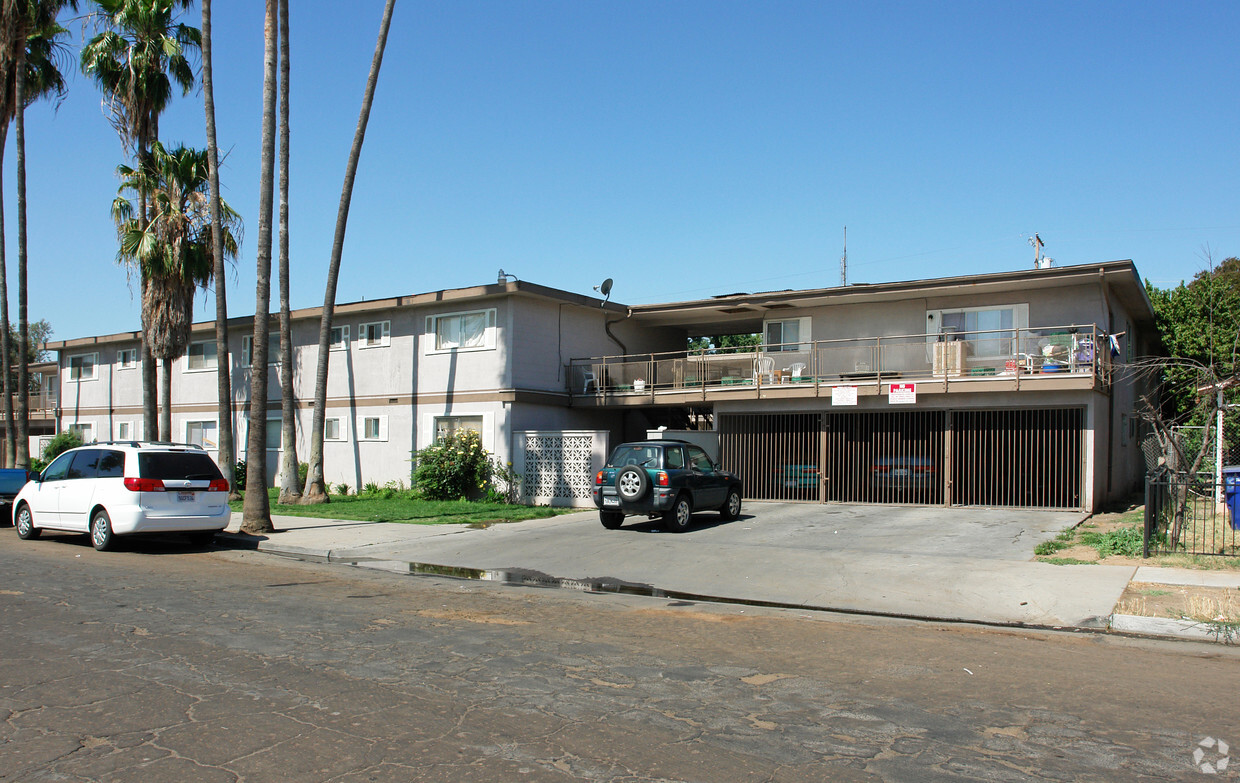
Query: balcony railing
x=946, y=357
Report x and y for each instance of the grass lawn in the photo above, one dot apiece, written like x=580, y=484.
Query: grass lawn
x=401, y=508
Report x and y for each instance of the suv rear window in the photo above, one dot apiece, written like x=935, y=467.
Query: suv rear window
x=177, y=465
x=644, y=456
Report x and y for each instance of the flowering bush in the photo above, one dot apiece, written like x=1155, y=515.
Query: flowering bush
x=454, y=468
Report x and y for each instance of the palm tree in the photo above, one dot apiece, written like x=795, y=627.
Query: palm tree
x=223, y=373
x=316, y=489
x=29, y=70
x=290, y=481
x=135, y=61
x=172, y=250
x=256, y=511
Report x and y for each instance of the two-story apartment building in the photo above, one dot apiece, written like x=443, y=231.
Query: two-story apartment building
x=1006, y=389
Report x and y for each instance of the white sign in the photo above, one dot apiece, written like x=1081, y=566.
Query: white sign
x=902, y=394
x=843, y=395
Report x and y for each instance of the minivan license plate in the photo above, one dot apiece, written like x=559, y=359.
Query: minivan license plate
x=185, y=497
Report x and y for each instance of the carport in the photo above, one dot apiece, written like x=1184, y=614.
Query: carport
x=1025, y=458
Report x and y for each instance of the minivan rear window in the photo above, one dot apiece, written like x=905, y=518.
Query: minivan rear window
x=177, y=465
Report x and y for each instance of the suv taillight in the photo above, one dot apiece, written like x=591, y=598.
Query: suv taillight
x=134, y=484
x=598, y=477
x=660, y=479
x=218, y=485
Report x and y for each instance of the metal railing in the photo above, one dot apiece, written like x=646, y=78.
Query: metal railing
x=947, y=357
x=1183, y=516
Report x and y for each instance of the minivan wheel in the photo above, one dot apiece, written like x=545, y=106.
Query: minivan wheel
x=25, y=524
x=101, y=535
x=676, y=518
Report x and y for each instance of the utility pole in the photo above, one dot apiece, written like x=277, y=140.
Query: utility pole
x=1036, y=241
x=844, y=260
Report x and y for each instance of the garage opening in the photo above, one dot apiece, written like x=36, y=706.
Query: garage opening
x=1023, y=458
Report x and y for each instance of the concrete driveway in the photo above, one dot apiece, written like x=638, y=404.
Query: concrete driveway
x=952, y=564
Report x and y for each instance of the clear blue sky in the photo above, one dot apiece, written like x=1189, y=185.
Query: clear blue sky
x=684, y=149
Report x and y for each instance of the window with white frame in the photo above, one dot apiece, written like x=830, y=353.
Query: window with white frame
x=124, y=430
x=273, y=434
x=451, y=425
x=373, y=428
x=202, y=433
x=375, y=335
x=127, y=358
x=471, y=331
x=335, y=429
x=82, y=367
x=85, y=432
x=273, y=349
x=200, y=356
x=989, y=332
x=339, y=338
x=786, y=334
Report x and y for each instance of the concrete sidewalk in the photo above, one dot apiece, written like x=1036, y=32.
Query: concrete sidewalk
x=739, y=562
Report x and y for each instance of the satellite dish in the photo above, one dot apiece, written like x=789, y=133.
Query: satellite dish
x=605, y=288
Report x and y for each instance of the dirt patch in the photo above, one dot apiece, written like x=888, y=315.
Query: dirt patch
x=1181, y=602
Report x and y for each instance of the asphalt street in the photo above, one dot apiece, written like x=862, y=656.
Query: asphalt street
x=160, y=663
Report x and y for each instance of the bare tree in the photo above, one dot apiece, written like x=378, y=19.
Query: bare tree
x=316, y=488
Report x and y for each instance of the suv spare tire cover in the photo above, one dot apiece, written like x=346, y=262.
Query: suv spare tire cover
x=632, y=483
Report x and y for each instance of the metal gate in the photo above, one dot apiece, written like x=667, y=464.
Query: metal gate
x=1026, y=458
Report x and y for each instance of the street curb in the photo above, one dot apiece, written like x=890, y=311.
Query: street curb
x=1165, y=626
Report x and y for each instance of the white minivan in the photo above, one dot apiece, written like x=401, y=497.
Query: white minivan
x=120, y=488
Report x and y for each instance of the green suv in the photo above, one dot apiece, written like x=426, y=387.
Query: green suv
x=671, y=478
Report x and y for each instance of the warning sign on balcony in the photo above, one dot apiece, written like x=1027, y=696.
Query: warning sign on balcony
x=902, y=394
x=843, y=395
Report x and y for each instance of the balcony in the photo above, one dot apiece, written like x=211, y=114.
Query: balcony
x=1046, y=358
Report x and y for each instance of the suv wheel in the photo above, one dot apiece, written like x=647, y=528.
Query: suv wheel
x=101, y=535
x=732, y=506
x=632, y=483
x=676, y=518
x=611, y=519
x=25, y=524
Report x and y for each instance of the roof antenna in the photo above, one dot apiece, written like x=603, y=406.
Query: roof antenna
x=844, y=260
x=503, y=277
x=604, y=288
x=1036, y=242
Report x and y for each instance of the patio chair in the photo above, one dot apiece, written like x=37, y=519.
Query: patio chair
x=589, y=380
x=764, y=369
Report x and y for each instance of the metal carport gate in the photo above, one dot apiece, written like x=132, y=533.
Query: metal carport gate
x=1030, y=458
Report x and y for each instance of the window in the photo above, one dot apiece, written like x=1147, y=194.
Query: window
x=85, y=432
x=82, y=368
x=59, y=467
x=339, y=338
x=273, y=348
x=124, y=430
x=375, y=335
x=202, y=433
x=85, y=464
x=200, y=356
x=699, y=460
x=473, y=331
x=273, y=435
x=334, y=429
x=373, y=428
x=989, y=332
x=786, y=335
x=127, y=358
x=451, y=425
x=111, y=464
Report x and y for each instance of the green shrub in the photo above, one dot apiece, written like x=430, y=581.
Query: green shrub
x=60, y=443
x=1049, y=547
x=505, y=485
x=303, y=470
x=342, y=489
x=370, y=488
x=455, y=468
x=1126, y=541
x=239, y=475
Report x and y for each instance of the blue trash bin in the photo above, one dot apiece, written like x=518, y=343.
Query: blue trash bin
x=1231, y=490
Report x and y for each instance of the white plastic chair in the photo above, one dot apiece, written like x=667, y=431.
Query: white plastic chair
x=796, y=371
x=589, y=380
x=764, y=367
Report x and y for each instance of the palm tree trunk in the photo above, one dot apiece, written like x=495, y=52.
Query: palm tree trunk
x=256, y=513
x=22, y=456
x=290, y=482
x=223, y=372
x=165, y=401
x=10, y=434
x=316, y=489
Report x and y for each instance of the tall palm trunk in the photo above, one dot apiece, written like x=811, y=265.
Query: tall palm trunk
x=22, y=454
x=316, y=489
x=223, y=372
x=290, y=482
x=256, y=513
x=10, y=432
